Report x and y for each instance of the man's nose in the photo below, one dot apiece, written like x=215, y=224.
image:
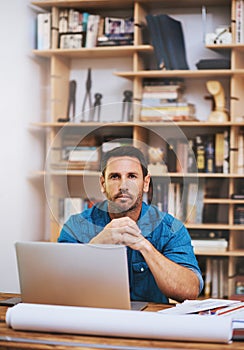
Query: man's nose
x=123, y=183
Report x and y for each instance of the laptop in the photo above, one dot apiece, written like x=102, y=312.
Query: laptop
x=71, y=274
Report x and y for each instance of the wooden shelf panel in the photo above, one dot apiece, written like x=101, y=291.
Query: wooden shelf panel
x=89, y=4
x=96, y=52
x=239, y=47
x=212, y=226
x=237, y=253
x=222, y=201
x=201, y=73
x=143, y=124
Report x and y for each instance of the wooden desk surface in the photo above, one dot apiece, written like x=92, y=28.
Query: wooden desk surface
x=93, y=342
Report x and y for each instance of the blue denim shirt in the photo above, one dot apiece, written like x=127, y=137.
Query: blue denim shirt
x=167, y=234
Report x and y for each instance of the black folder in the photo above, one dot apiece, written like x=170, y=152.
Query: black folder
x=173, y=38
x=168, y=41
x=157, y=42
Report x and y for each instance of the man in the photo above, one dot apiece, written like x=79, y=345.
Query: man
x=161, y=261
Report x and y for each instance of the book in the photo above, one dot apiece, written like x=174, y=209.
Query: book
x=200, y=154
x=44, y=31
x=171, y=158
x=219, y=152
x=191, y=205
x=72, y=206
x=215, y=244
x=240, y=153
x=92, y=30
x=239, y=9
x=209, y=155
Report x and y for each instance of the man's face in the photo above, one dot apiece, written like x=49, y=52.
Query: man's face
x=124, y=184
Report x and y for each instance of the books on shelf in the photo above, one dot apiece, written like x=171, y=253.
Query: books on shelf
x=207, y=245
x=216, y=278
x=164, y=101
x=239, y=13
x=239, y=214
x=171, y=111
x=73, y=205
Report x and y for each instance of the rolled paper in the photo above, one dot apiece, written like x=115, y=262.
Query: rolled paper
x=118, y=323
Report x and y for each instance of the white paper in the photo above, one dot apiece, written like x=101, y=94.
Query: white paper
x=193, y=306
x=119, y=323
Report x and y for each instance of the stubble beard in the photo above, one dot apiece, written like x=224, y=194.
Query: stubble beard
x=118, y=210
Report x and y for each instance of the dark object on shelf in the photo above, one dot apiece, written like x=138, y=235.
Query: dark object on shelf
x=88, y=93
x=71, y=102
x=213, y=64
x=126, y=108
x=168, y=41
x=97, y=107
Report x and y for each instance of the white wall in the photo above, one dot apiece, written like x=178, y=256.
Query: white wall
x=21, y=196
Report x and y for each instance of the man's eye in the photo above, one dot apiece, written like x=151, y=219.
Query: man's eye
x=132, y=176
x=114, y=176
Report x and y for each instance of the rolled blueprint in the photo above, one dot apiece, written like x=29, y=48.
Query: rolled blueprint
x=118, y=323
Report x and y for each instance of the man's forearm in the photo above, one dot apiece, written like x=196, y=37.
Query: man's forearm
x=175, y=281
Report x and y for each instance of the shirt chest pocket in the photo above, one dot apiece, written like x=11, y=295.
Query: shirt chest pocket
x=140, y=267
x=141, y=278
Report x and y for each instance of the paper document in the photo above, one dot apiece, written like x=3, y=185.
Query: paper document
x=118, y=323
x=195, y=306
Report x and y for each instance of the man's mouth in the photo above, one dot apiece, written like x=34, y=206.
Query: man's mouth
x=123, y=196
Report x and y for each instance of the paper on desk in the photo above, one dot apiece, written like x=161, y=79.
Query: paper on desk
x=194, y=306
x=119, y=323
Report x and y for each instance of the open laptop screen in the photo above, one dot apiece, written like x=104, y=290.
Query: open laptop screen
x=73, y=274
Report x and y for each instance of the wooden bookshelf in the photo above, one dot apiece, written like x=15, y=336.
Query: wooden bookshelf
x=62, y=181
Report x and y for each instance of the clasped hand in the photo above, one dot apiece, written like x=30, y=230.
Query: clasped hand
x=121, y=231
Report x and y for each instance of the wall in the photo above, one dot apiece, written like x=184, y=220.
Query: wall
x=21, y=195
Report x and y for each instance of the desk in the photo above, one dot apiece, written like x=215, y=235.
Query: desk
x=93, y=342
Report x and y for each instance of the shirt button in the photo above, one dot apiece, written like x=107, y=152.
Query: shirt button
x=142, y=269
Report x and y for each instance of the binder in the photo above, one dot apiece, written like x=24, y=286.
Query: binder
x=173, y=38
x=157, y=42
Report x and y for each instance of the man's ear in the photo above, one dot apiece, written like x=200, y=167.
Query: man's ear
x=147, y=179
x=102, y=184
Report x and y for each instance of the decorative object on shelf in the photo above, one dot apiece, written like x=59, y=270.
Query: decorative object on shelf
x=71, y=102
x=127, y=104
x=219, y=113
x=87, y=94
x=97, y=107
x=156, y=164
x=222, y=35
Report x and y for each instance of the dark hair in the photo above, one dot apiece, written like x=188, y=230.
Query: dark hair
x=124, y=151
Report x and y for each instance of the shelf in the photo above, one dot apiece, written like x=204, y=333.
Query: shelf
x=200, y=175
x=96, y=52
x=203, y=73
x=213, y=226
x=142, y=124
x=239, y=47
x=98, y=4
x=236, y=253
x=222, y=201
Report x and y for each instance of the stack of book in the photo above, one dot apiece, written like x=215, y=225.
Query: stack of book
x=163, y=101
